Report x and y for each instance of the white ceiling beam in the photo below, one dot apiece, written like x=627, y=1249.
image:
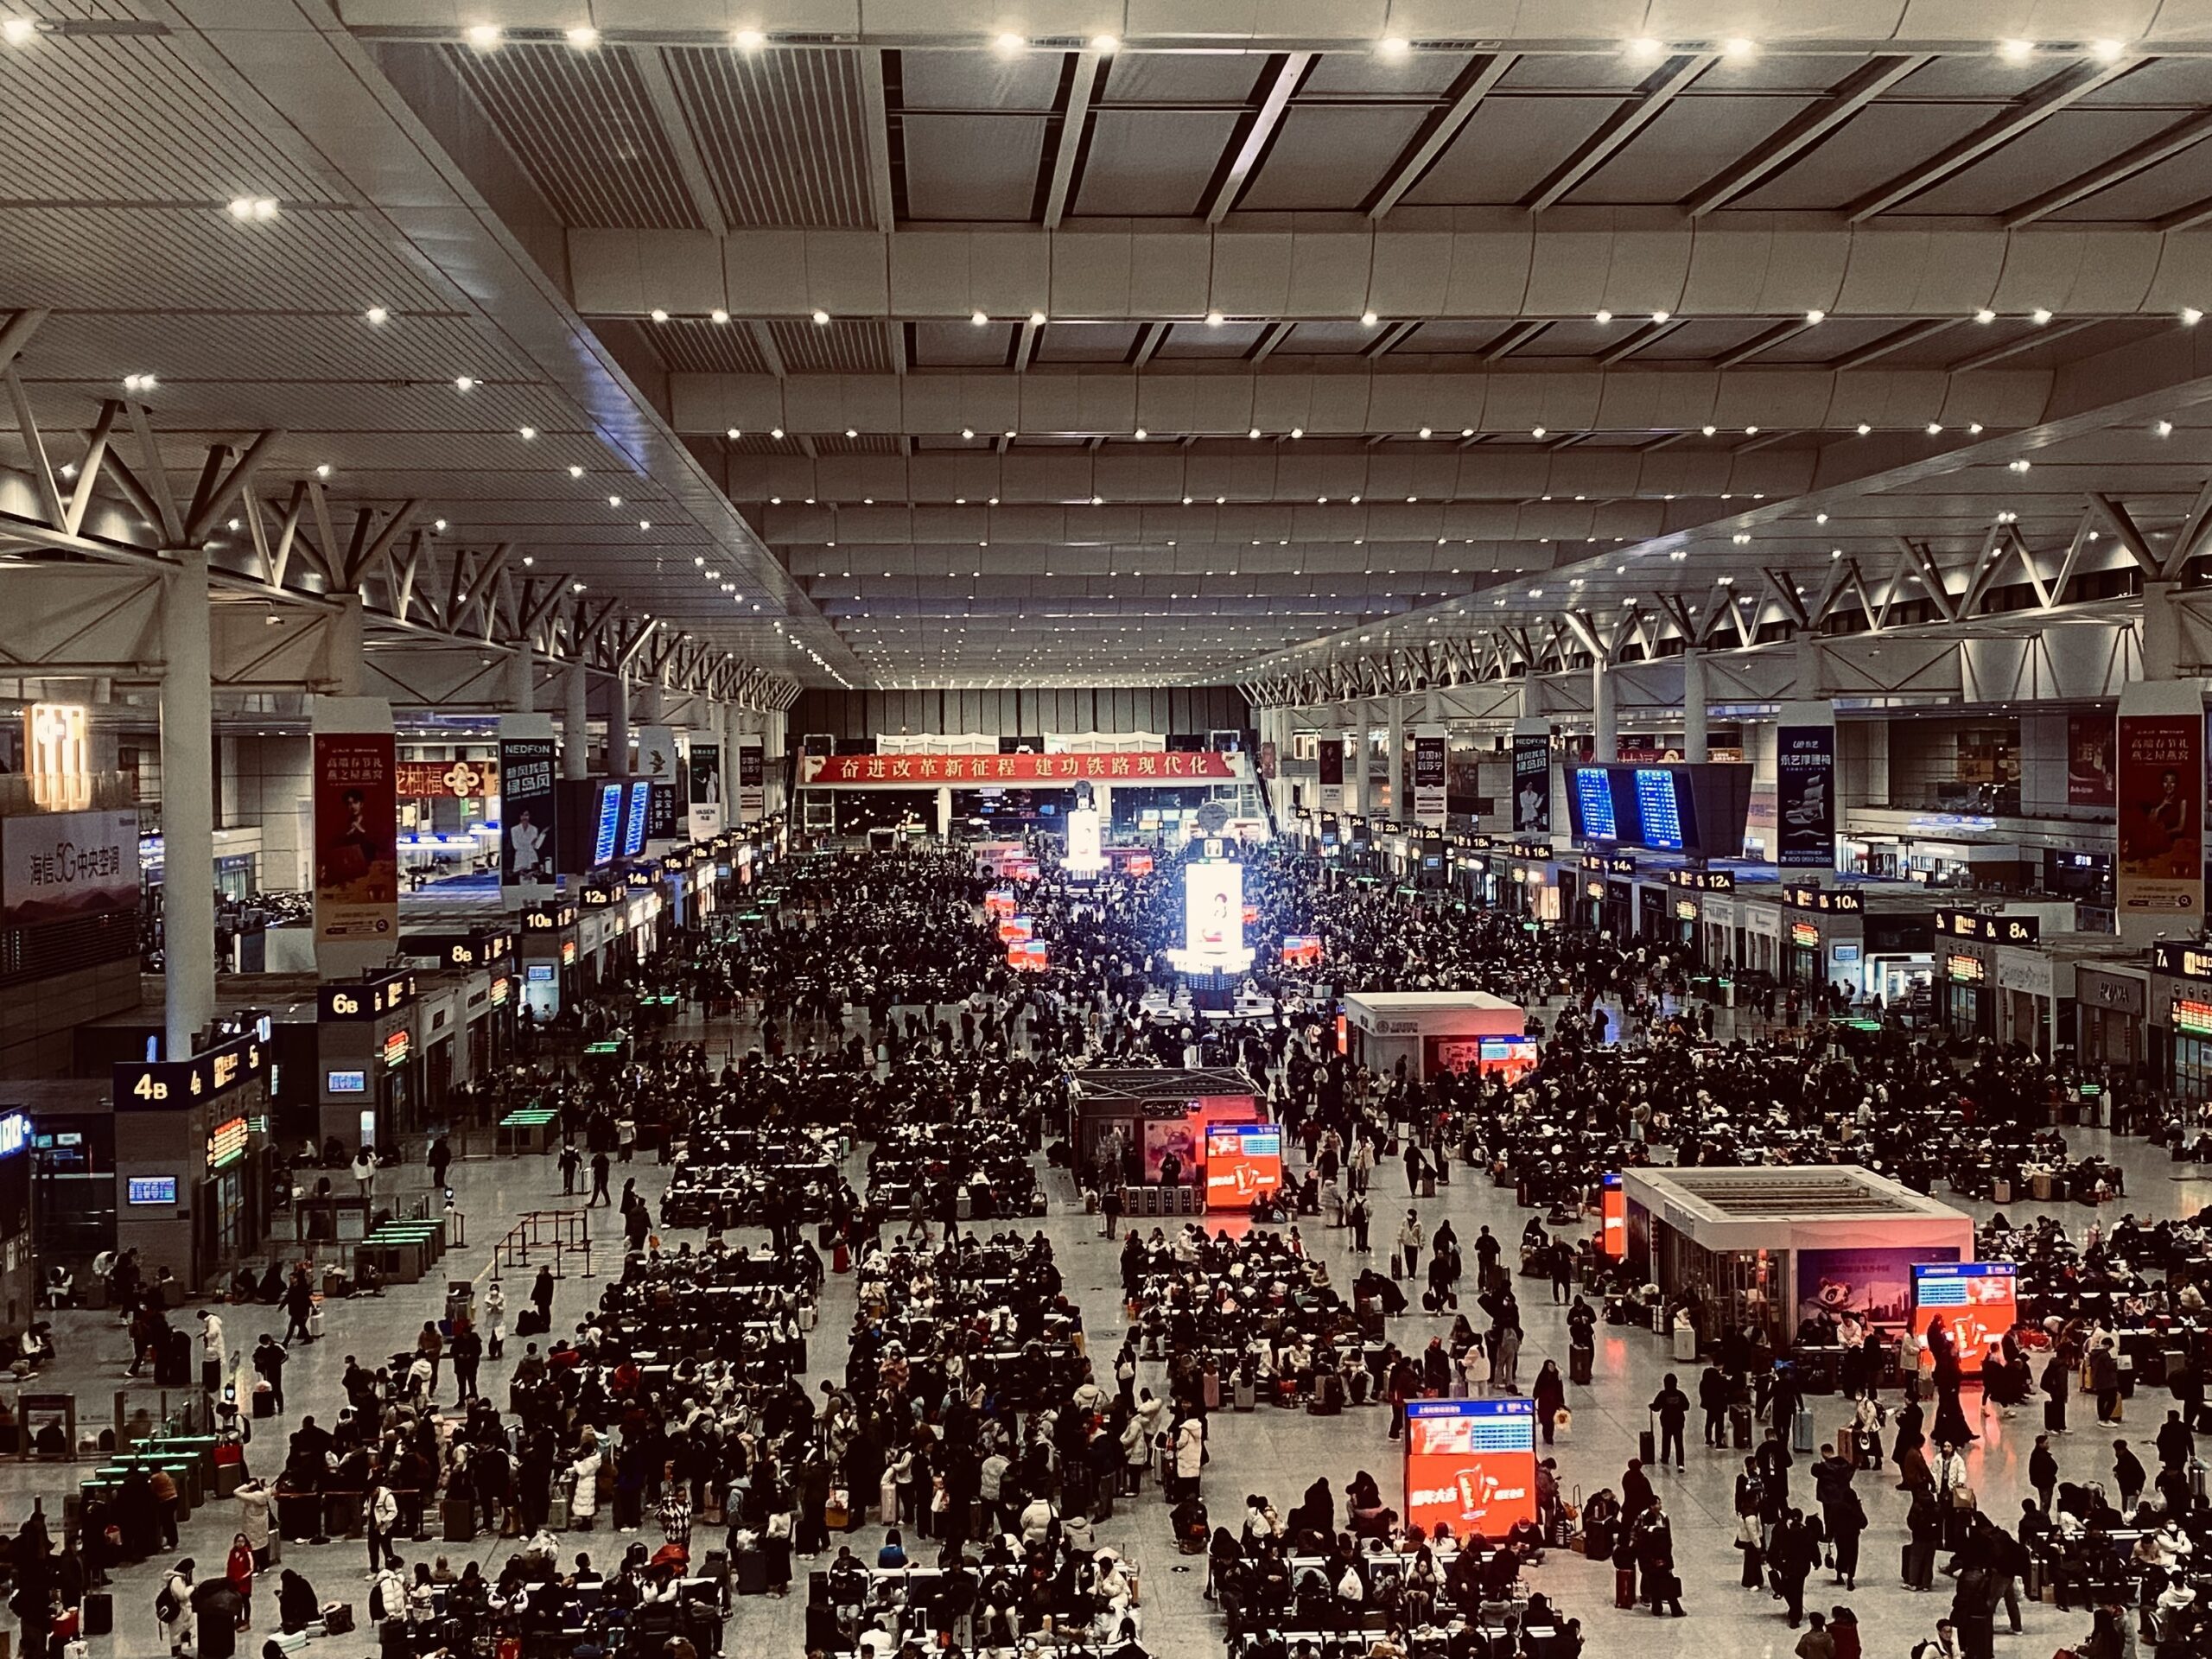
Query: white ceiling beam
x=875, y=134
x=1090, y=67
x=2119, y=521
x=1256, y=131
x=1801, y=134
x=651, y=63
x=1618, y=128
x=2160, y=147
x=2063, y=90
x=1442, y=125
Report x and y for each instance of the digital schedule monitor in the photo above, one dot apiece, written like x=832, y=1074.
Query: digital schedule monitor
x=1974, y=1300
x=1612, y=1224
x=635, y=816
x=152, y=1189
x=607, y=825
x=1694, y=808
x=1470, y=1464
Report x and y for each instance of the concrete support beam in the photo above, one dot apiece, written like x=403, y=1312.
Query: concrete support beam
x=187, y=806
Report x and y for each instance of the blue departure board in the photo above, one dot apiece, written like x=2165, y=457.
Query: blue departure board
x=610, y=824
x=633, y=827
x=1657, y=810
x=1593, y=794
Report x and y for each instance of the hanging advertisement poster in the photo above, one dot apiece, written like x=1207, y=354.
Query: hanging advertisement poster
x=2160, y=775
x=1532, y=779
x=2089, y=760
x=1804, y=786
x=751, y=794
x=1428, y=778
x=356, y=828
x=705, y=766
x=1329, y=753
x=661, y=763
x=528, y=763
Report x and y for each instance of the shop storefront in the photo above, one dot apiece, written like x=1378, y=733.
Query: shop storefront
x=1761, y=923
x=546, y=957
x=1969, y=1010
x=2027, y=997
x=2109, y=1005
x=1825, y=937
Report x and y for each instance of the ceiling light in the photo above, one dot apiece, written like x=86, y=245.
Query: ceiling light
x=18, y=31
x=1254, y=433
x=1644, y=49
x=1863, y=429
x=977, y=318
x=2020, y=465
x=1740, y=49
x=1741, y=538
x=1985, y=315
x=138, y=383
x=749, y=39
x=1424, y=431
x=1816, y=316
x=613, y=500
x=2016, y=51
x=583, y=37
x=1935, y=428
x=529, y=432
x=1393, y=46
x=376, y=316
x=484, y=37
x=1660, y=317
x=1008, y=43
x=2190, y=316
x=464, y=382
x=1213, y=319
x=1973, y=428
x=821, y=319
x=2040, y=316
x=1368, y=318
x=965, y=432
x=441, y=525
x=2165, y=428
x=1708, y=430
x=575, y=471
x=647, y=524
x=852, y=432
x=659, y=316
x=1299, y=432
x=1751, y=431
x=1105, y=45
x=2107, y=51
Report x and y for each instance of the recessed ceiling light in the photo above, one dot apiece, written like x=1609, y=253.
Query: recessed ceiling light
x=2190, y=316
x=1660, y=317
x=1368, y=318
x=776, y=432
x=1973, y=428
x=1816, y=315
x=2165, y=428
x=2040, y=315
x=376, y=316
x=852, y=432
x=1863, y=429
x=583, y=37
x=1393, y=46
x=1644, y=49
x=575, y=471
x=821, y=319
x=1254, y=433
x=1709, y=429
x=138, y=383
x=977, y=318
x=441, y=525
x=18, y=31
x=529, y=432
x=1424, y=431
x=1604, y=316
x=1935, y=428
x=1105, y=45
x=322, y=470
x=1036, y=319
x=1740, y=49
x=464, y=382
x=1536, y=431
x=1009, y=43
x=2107, y=51
x=748, y=40
x=613, y=500
x=2016, y=51
x=484, y=37
x=1985, y=315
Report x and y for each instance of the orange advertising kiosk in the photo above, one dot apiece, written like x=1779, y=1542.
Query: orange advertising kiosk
x=1470, y=1464
x=1149, y=1112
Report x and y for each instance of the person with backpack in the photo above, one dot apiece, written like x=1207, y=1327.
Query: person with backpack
x=173, y=1606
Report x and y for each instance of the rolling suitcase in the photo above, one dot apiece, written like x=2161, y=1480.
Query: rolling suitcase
x=1739, y=1427
x=1647, y=1447
x=99, y=1612
x=391, y=1640
x=459, y=1515
x=1578, y=1366
x=1624, y=1586
x=752, y=1573
x=1802, y=1433
x=1248, y=1394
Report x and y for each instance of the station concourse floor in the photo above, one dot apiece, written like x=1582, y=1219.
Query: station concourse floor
x=1271, y=1451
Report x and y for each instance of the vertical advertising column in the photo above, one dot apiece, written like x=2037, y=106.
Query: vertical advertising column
x=751, y=791
x=1532, y=778
x=356, y=835
x=659, y=761
x=529, y=828
x=1804, y=786
x=704, y=768
x=187, y=804
x=1428, y=792
x=2158, y=775
x=575, y=724
x=1331, y=753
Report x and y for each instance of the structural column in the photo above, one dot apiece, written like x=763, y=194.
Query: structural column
x=575, y=723
x=2161, y=631
x=522, y=680
x=188, y=806
x=1394, y=765
x=1363, y=773
x=1693, y=701
x=618, y=725
x=1605, y=718
x=943, y=813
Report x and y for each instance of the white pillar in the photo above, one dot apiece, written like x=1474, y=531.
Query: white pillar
x=1604, y=716
x=944, y=813
x=1101, y=797
x=522, y=680
x=1362, y=769
x=575, y=723
x=650, y=702
x=188, y=806
x=1694, y=710
x=345, y=632
x=2161, y=631
x=618, y=725
x=1394, y=769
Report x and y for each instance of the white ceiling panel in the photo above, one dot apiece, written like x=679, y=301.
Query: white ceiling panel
x=971, y=167
x=1150, y=163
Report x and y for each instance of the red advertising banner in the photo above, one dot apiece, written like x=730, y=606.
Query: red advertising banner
x=356, y=829
x=1015, y=771
x=423, y=780
x=2089, y=760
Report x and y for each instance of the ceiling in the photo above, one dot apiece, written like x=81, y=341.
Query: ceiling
x=1166, y=341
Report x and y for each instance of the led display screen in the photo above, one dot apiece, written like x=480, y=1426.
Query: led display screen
x=1243, y=1162
x=1213, y=916
x=153, y=1189
x=609, y=829
x=1470, y=1464
x=1975, y=1301
x=1699, y=809
x=1612, y=1228
x=1594, y=804
x=1657, y=810
x=634, y=818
